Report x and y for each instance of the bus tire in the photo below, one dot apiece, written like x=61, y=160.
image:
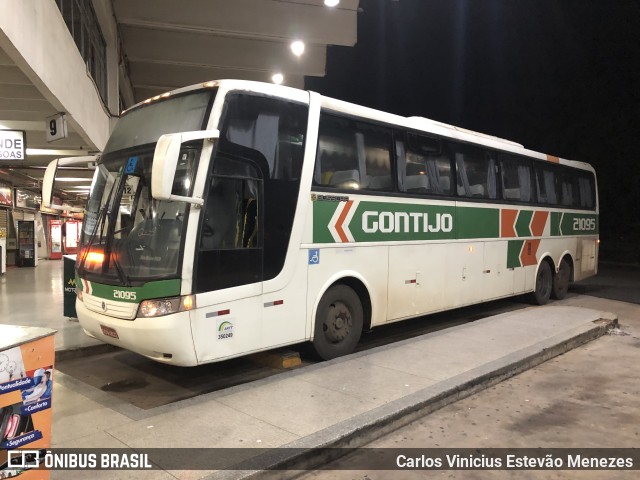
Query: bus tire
x=339, y=320
x=561, y=281
x=544, y=284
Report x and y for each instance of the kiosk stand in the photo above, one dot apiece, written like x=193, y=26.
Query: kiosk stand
x=26, y=386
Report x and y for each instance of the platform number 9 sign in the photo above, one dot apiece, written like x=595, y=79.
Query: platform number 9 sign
x=53, y=127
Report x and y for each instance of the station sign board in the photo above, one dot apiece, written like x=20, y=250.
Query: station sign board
x=12, y=145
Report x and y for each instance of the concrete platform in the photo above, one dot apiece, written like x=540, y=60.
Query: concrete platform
x=344, y=402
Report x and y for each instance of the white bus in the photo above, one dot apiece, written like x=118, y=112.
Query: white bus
x=233, y=217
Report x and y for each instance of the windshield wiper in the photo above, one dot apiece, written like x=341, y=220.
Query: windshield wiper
x=124, y=279
x=100, y=217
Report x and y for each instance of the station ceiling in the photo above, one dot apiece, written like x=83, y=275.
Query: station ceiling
x=167, y=45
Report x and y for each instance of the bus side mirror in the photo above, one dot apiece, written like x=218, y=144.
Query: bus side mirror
x=48, y=182
x=165, y=162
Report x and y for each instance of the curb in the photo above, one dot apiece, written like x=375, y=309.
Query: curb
x=322, y=447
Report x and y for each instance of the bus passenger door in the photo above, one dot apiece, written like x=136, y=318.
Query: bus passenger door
x=229, y=267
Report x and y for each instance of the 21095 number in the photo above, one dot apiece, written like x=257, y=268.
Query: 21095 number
x=584, y=224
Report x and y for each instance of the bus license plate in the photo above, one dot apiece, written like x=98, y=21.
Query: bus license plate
x=109, y=332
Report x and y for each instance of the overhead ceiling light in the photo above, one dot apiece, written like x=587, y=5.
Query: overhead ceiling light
x=331, y=3
x=277, y=78
x=297, y=47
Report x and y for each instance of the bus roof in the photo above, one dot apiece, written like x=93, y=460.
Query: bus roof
x=414, y=122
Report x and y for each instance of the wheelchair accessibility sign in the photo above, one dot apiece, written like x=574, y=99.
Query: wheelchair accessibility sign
x=314, y=256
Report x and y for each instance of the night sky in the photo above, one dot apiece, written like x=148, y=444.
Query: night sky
x=559, y=76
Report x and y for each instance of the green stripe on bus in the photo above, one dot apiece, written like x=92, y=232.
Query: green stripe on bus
x=555, y=223
x=523, y=222
x=579, y=224
x=158, y=289
x=477, y=222
x=381, y=221
x=322, y=213
x=376, y=221
x=514, y=247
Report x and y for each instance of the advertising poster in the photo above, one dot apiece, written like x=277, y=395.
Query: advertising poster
x=6, y=194
x=26, y=387
x=56, y=239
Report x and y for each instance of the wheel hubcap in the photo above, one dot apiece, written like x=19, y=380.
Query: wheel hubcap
x=338, y=322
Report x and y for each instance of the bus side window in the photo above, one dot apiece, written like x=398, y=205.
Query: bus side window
x=231, y=213
x=353, y=156
x=425, y=167
x=517, y=181
x=569, y=188
x=476, y=172
x=546, y=185
x=586, y=185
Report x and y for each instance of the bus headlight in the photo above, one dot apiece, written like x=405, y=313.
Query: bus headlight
x=166, y=306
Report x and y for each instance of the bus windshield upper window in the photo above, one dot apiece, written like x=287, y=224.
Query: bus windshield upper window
x=146, y=124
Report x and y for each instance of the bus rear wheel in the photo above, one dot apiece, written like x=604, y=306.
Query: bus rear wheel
x=544, y=284
x=561, y=281
x=339, y=320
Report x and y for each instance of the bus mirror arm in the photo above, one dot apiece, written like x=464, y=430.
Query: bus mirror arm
x=165, y=162
x=50, y=177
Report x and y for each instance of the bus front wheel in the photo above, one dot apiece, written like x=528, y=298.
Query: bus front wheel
x=339, y=320
x=561, y=281
x=544, y=283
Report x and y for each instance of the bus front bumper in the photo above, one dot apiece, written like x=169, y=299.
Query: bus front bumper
x=166, y=339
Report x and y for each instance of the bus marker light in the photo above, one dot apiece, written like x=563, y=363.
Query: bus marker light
x=273, y=304
x=95, y=257
x=188, y=303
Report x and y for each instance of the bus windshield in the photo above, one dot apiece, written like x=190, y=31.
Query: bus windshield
x=128, y=237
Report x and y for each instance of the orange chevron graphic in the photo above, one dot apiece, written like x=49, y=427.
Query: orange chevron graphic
x=507, y=222
x=529, y=253
x=509, y=217
x=341, y=219
x=538, y=222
